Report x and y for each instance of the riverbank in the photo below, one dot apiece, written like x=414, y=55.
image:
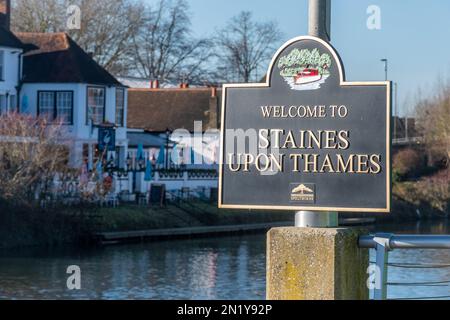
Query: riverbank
x=189, y=232
x=197, y=214
x=60, y=226
x=81, y=225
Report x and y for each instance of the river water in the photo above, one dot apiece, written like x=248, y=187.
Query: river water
x=213, y=268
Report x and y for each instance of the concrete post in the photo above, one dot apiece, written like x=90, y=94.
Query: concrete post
x=306, y=263
x=316, y=264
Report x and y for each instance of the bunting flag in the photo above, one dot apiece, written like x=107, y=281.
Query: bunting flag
x=161, y=156
x=148, y=171
x=140, y=151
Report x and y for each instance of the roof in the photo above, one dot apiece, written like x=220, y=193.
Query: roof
x=148, y=140
x=160, y=109
x=8, y=39
x=58, y=59
x=145, y=83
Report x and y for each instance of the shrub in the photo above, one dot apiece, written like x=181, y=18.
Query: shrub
x=435, y=190
x=407, y=163
x=30, y=153
x=432, y=191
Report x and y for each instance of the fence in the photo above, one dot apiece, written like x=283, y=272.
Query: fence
x=383, y=243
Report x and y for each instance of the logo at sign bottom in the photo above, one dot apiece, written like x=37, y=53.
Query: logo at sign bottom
x=303, y=192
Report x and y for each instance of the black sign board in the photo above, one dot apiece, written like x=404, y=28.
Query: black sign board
x=306, y=139
x=158, y=194
x=106, y=138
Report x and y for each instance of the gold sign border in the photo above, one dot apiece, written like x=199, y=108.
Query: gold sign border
x=388, y=85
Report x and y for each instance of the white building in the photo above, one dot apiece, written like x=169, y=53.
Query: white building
x=62, y=82
x=189, y=117
x=49, y=75
x=11, y=49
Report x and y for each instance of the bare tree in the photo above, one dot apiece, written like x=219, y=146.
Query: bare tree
x=245, y=46
x=38, y=15
x=30, y=154
x=434, y=123
x=165, y=49
x=107, y=27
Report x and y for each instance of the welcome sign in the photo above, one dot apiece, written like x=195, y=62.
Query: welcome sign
x=306, y=139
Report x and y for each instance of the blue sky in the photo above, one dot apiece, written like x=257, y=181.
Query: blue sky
x=414, y=36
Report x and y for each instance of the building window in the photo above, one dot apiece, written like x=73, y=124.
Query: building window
x=64, y=106
x=120, y=106
x=96, y=105
x=2, y=65
x=46, y=107
x=54, y=105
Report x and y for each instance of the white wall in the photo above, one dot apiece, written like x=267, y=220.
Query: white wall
x=11, y=72
x=80, y=132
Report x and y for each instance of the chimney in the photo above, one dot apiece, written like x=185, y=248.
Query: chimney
x=5, y=14
x=213, y=109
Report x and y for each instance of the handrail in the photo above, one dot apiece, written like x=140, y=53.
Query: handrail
x=383, y=243
x=408, y=242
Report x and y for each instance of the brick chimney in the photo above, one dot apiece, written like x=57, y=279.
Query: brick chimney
x=214, y=109
x=5, y=14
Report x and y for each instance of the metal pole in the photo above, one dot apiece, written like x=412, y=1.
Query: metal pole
x=319, y=26
x=396, y=118
x=382, y=244
x=320, y=19
x=385, y=61
x=167, y=151
x=406, y=128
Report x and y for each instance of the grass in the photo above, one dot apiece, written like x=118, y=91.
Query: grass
x=133, y=217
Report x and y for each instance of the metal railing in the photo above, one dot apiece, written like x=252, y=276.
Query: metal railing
x=383, y=243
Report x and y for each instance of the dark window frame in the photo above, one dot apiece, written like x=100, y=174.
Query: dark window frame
x=3, y=63
x=87, y=104
x=55, y=104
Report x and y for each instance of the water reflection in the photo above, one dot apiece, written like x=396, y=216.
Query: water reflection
x=219, y=268
x=215, y=268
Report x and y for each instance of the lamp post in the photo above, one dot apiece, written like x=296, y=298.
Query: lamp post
x=385, y=61
x=319, y=26
x=167, y=149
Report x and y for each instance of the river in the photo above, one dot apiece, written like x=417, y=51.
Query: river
x=213, y=268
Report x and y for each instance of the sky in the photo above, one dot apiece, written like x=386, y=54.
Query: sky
x=414, y=36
